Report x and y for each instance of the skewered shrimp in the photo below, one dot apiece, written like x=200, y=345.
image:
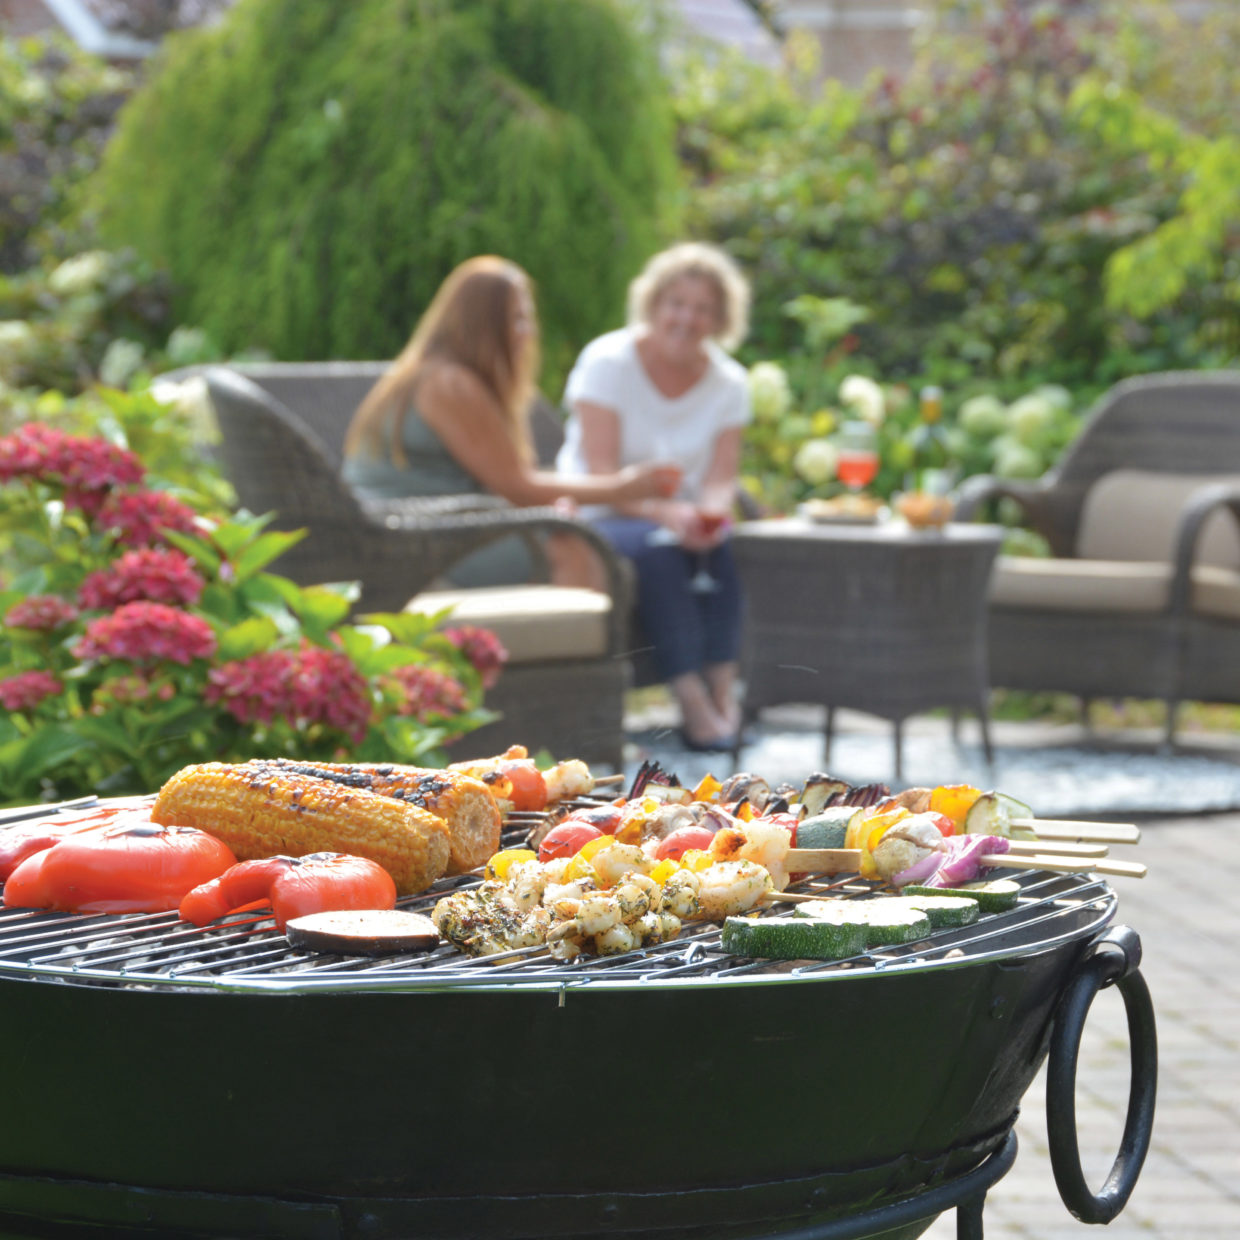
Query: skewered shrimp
x=731, y=887
x=612, y=863
x=680, y=894
x=760, y=841
x=568, y=780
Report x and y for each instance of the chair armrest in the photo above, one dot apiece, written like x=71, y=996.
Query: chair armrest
x=1200, y=507
x=1035, y=498
x=438, y=531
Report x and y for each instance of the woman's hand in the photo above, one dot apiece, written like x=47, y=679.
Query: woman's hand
x=650, y=480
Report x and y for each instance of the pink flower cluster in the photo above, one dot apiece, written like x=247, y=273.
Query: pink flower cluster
x=309, y=686
x=41, y=612
x=86, y=466
x=147, y=632
x=158, y=576
x=482, y=648
x=428, y=691
x=27, y=689
x=138, y=518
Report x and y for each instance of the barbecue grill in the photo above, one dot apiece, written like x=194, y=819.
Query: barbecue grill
x=174, y=1081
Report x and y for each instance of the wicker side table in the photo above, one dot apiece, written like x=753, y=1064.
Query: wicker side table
x=878, y=618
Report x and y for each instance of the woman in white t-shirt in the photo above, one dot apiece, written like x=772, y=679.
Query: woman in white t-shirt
x=664, y=389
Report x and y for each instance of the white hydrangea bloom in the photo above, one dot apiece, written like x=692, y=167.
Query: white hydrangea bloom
x=121, y=361
x=815, y=461
x=864, y=397
x=769, y=392
x=16, y=339
x=78, y=274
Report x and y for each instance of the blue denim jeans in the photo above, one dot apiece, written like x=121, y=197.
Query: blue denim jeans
x=688, y=627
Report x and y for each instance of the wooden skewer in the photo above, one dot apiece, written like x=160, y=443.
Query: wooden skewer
x=1057, y=847
x=1065, y=865
x=1068, y=829
x=608, y=779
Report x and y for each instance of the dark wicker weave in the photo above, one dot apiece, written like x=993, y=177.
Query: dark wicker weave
x=397, y=548
x=1176, y=422
x=878, y=619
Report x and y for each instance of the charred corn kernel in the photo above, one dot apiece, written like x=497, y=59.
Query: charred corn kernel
x=466, y=804
x=664, y=870
x=707, y=789
x=954, y=800
x=259, y=811
x=502, y=862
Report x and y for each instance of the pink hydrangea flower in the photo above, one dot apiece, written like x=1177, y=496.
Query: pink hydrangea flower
x=429, y=691
x=86, y=466
x=307, y=687
x=41, y=612
x=482, y=648
x=159, y=576
x=27, y=689
x=327, y=688
x=255, y=689
x=138, y=518
x=146, y=633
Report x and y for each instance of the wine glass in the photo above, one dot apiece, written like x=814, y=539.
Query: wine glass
x=857, y=460
x=702, y=582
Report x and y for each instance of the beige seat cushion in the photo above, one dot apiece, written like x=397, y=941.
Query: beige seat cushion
x=1133, y=514
x=535, y=623
x=1108, y=585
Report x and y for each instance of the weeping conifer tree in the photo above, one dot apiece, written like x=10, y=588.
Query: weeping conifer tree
x=309, y=172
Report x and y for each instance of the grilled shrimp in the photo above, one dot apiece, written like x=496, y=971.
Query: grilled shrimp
x=617, y=939
x=611, y=864
x=598, y=913
x=567, y=780
x=731, y=887
x=680, y=894
x=527, y=881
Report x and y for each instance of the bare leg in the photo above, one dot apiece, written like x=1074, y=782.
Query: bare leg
x=702, y=721
x=574, y=563
x=721, y=681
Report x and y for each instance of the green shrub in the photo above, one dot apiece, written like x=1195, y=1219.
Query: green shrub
x=971, y=209
x=57, y=104
x=308, y=173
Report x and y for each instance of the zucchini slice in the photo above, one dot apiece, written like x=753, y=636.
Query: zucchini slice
x=794, y=938
x=944, y=910
x=887, y=921
x=992, y=814
x=994, y=896
x=827, y=828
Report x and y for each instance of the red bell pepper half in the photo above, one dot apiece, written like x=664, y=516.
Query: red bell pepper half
x=27, y=838
x=129, y=866
x=294, y=887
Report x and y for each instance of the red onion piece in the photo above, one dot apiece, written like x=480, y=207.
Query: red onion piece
x=920, y=871
x=961, y=865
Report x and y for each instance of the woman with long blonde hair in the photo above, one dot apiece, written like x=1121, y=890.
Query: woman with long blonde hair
x=451, y=416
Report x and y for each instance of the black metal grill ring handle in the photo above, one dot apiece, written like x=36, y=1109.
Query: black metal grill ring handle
x=1101, y=969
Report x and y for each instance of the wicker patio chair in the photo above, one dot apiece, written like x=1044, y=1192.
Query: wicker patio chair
x=562, y=691
x=1141, y=596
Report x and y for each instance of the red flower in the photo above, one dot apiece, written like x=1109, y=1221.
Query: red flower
x=85, y=466
x=307, y=687
x=145, y=633
x=137, y=519
x=155, y=575
x=482, y=648
x=42, y=612
x=253, y=690
x=27, y=689
x=429, y=692
x=328, y=689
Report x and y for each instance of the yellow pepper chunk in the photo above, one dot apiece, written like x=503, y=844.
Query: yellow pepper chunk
x=707, y=789
x=954, y=801
x=696, y=859
x=580, y=867
x=502, y=862
x=664, y=870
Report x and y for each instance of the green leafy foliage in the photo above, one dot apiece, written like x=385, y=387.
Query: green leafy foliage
x=973, y=208
x=309, y=173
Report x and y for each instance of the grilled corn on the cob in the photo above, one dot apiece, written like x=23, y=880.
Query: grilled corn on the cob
x=259, y=811
x=464, y=803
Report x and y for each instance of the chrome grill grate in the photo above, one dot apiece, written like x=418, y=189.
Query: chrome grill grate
x=245, y=953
